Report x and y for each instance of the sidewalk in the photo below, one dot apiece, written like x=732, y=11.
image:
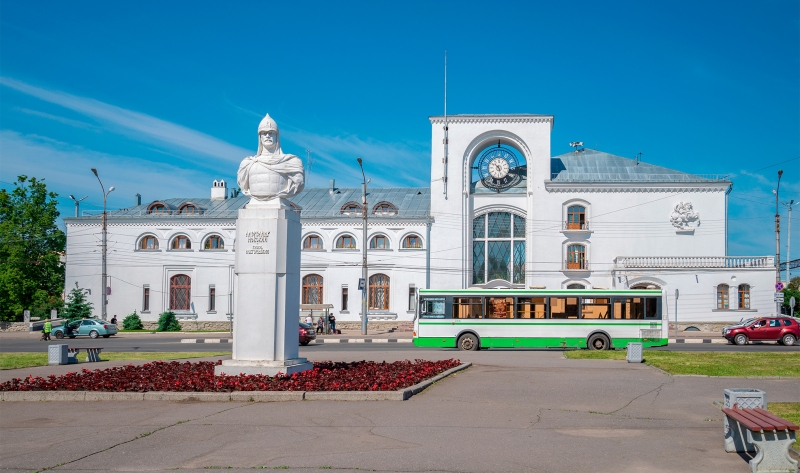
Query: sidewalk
x=512, y=411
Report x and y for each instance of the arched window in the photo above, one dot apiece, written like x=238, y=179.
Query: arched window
x=379, y=242
x=576, y=257
x=576, y=217
x=723, y=297
x=379, y=292
x=181, y=242
x=180, y=292
x=214, y=242
x=312, y=289
x=312, y=242
x=498, y=248
x=157, y=208
x=412, y=241
x=351, y=208
x=148, y=242
x=576, y=286
x=346, y=241
x=188, y=209
x=744, y=296
x=384, y=208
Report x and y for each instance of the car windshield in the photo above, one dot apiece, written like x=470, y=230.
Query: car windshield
x=747, y=321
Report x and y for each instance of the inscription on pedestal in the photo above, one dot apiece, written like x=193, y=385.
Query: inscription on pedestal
x=257, y=237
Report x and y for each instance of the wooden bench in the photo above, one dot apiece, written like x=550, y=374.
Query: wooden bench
x=92, y=354
x=767, y=434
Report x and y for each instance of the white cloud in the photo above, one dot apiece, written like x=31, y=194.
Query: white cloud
x=134, y=124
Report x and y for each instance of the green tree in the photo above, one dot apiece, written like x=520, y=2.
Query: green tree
x=77, y=307
x=792, y=290
x=31, y=245
x=167, y=322
x=132, y=322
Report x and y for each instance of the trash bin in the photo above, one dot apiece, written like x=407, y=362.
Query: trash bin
x=746, y=398
x=634, y=352
x=57, y=354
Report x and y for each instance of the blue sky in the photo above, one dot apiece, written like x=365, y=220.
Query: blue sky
x=164, y=97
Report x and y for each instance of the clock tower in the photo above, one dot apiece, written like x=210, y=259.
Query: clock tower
x=483, y=198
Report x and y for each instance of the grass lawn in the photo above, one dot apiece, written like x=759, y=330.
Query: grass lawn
x=10, y=361
x=789, y=411
x=708, y=363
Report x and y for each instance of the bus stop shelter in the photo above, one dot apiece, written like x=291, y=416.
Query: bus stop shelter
x=322, y=310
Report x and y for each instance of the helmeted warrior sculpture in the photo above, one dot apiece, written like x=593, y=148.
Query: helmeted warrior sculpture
x=270, y=176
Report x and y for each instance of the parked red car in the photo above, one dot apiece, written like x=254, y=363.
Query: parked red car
x=784, y=330
x=306, y=334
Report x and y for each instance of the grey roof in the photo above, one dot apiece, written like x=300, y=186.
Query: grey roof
x=588, y=165
x=410, y=202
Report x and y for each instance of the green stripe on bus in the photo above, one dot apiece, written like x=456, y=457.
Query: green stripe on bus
x=529, y=342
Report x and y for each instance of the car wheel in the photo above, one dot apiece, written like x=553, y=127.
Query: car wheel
x=93, y=334
x=599, y=341
x=59, y=335
x=468, y=342
x=740, y=339
x=788, y=339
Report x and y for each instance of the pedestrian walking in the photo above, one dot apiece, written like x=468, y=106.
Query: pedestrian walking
x=48, y=328
x=332, y=323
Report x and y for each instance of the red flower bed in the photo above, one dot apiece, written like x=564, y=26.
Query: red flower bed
x=199, y=377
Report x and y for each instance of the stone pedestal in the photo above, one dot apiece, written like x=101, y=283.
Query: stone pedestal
x=265, y=324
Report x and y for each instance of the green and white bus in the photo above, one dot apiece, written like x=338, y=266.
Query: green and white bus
x=471, y=319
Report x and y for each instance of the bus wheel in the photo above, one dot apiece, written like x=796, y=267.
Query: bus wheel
x=599, y=341
x=467, y=342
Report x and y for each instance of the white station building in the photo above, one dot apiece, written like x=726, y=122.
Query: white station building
x=501, y=212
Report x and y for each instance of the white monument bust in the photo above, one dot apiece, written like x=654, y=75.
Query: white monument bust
x=270, y=176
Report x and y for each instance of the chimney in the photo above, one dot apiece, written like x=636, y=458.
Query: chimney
x=219, y=190
x=138, y=199
x=332, y=189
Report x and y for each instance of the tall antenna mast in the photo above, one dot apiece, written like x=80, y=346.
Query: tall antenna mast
x=444, y=159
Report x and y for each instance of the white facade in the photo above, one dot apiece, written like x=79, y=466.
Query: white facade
x=640, y=225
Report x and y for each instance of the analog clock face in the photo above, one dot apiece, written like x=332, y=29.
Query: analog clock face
x=497, y=169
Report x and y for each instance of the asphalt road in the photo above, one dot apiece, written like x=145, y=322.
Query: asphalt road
x=172, y=343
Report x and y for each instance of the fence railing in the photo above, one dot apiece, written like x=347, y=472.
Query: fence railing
x=629, y=262
x=575, y=226
x=575, y=266
x=624, y=177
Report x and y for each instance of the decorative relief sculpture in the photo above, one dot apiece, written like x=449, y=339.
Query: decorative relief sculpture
x=270, y=176
x=684, y=218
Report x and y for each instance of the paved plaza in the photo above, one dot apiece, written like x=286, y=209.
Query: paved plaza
x=515, y=411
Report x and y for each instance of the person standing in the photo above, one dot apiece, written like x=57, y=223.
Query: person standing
x=48, y=328
x=332, y=323
x=320, y=326
x=309, y=319
x=114, y=319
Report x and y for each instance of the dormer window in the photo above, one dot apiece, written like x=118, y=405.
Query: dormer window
x=351, y=208
x=384, y=208
x=157, y=208
x=189, y=209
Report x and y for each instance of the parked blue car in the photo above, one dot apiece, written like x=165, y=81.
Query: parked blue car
x=92, y=327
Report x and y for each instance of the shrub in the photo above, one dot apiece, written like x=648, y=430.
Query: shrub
x=132, y=322
x=168, y=323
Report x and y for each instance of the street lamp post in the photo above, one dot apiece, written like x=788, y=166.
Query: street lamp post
x=789, y=242
x=364, y=251
x=77, y=204
x=777, y=241
x=104, y=277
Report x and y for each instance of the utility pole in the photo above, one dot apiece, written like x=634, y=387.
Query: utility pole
x=778, y=241
x=789, y=243
x=104, y=293
x=364, y=251
x=77, y=204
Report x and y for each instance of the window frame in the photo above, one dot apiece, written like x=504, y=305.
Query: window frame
x=372, y=295
x=346, y=208
x=158, y=208
x=384, y=204
x=374, y=238
x=484, y=243
x=173, y=292
x=404, y=242
x=723, y=297
x=146, y=298
x=214, y=236
x=143, y=239
x=341, y=237
x=743, y=299
x=582, y=256
x=173, y=242
x=189, y=205
x=308, y=237
x=212, y=298
x=308, y=288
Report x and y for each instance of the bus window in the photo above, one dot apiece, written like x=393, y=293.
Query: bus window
x=596, y=308
x=651, y=307
x=531, y=307
x=563, y=307
x=432, y=308
x=499, y=307
x=467, y=308
x=629, y=308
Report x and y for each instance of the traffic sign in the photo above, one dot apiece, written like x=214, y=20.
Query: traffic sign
x=361, y=284
x=791, y=301
x=779, y=286
x=779, y=297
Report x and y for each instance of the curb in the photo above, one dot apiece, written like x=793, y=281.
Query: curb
x=698, y=340
x=206, y=340
x=236, y=396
